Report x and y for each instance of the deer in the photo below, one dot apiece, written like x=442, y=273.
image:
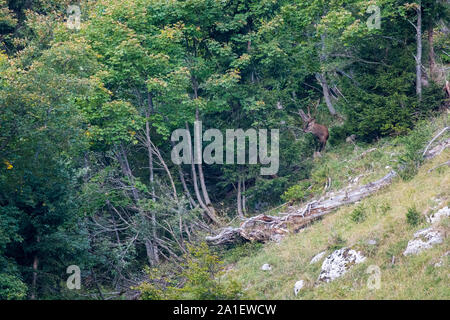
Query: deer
x=310, y=125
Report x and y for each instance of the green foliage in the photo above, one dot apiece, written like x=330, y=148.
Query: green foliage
x=11, y=288
x=298, y=192
x=358, y=214
x=86, y=175
x=411, y=157
x=201, y=274
x=413, y=217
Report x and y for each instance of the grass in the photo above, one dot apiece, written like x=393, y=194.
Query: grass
x=385, y=220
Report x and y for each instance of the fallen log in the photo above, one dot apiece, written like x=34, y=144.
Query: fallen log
x=273, y=228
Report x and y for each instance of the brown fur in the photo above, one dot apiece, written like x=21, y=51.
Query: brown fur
x=320, y=131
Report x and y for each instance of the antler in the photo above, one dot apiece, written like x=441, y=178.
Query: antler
x=303, y=115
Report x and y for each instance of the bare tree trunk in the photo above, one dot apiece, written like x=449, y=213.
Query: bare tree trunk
x=154, y=248
x=150, y=159
x=208, y=203
x=239, y=199
x=432, y=54
x=152, y=252
x=321, y=77
x=419, y=52
x=183, y=183
x=326, y=92
x=196, y=188
x=201, y=177
x=185, y=188
x=35, y=268
x=244, y=200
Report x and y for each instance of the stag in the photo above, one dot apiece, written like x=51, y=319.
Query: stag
x=310, y=125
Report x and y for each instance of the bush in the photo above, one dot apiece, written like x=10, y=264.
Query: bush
x=11, y=288
x=411, y=158
x=201, y=278
x=298, y=192
x=358, y=214
x=413, y=217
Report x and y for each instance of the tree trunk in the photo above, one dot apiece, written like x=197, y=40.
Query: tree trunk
x=239, y=200
x=184, y=184
x=35, y=268
x=198, y=148
x=432, y=55
x=244, y=200
x=326, y=92
x=196, y=188
x=321, y=77
x=152, y=252
x=419, y=52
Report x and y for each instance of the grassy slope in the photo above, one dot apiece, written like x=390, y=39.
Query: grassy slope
x=413, y=277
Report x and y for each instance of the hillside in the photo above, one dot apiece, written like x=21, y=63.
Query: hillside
x=380, y=218
x=144, y=142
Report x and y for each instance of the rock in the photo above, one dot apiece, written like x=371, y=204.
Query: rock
x=338, y=263
x=317, y=257
x=423, y=239
x=437, y=216
x=266, y=267
x=298, y=286
x=351, y=139
x=371, y=242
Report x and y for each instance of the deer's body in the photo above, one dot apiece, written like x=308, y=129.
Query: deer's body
x=310, y=125
x=320, y=131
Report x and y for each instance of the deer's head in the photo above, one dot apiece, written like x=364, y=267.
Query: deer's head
x=309, y=125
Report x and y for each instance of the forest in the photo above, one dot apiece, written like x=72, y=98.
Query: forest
x=92, y=91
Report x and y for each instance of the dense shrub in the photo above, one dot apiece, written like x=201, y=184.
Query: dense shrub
x=358, y=214
x=298, y=192
x=201, y=278
x=413, y=217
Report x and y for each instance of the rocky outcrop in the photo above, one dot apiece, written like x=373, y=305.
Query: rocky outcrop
x=423, y=239
x=298, y=286
x=437, y=216
x=338, y=263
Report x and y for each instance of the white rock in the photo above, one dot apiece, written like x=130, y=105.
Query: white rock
x=317, y=257
x=372, y=242
x=437, y=216
x=423, y=239
x=338, y=263
x=298, y=286
x=266, y=267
